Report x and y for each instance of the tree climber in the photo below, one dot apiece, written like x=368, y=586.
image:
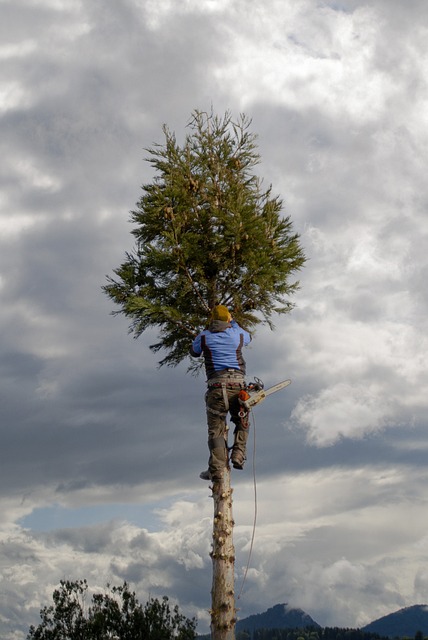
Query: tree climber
x=221, y=345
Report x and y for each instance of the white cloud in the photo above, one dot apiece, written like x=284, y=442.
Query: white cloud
x=346, y=532
x=21, y=50
x=13, y=225
x=310, y=57
x=12, y=95
x=343, y=410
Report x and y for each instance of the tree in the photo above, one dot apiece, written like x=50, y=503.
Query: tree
x=110, y=615
x=206, y=233
x=65, y=619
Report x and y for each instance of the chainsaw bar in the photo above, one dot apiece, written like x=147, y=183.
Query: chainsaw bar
x=259, y=396
x=276, y=387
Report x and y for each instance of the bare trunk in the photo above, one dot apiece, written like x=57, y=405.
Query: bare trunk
x=223, y=612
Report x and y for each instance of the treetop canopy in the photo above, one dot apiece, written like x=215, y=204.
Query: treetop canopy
x=206, y=233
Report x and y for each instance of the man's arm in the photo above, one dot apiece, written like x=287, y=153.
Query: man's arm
x=196, y=348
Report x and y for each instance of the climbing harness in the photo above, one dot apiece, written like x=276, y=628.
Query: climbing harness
x=229, y=384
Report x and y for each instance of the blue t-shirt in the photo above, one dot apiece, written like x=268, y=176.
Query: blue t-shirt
x=221, y=346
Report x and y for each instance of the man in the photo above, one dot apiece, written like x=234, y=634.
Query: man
x=221, y=346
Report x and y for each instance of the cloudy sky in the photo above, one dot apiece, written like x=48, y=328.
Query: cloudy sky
x=101, y=450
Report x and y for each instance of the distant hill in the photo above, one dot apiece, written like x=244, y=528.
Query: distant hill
x=281, y=616
x=405, y=622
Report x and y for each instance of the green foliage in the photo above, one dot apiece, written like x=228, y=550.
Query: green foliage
x=113, y=615
x=206, y=233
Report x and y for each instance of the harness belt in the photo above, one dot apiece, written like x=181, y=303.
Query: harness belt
x=229, y=385
x=224, y=384
x=225, y=396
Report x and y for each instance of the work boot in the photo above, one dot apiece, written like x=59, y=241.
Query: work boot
x=238, y=459
x=205, y=475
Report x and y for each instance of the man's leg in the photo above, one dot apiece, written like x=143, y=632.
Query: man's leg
x=240, y=434
x=217, y=432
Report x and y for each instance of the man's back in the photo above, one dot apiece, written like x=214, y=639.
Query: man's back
x=222, y=345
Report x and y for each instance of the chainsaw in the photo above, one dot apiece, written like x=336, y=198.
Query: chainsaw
x=255, y=393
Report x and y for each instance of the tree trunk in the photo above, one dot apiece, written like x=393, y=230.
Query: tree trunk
x=223, y=612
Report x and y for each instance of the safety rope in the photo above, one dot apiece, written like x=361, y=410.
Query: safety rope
x=255, y=508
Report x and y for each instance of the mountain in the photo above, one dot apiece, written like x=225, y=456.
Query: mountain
x=405, y=622
x=278, y=617
x=281, y=616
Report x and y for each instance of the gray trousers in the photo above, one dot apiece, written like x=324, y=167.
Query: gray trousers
x=221, y=400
